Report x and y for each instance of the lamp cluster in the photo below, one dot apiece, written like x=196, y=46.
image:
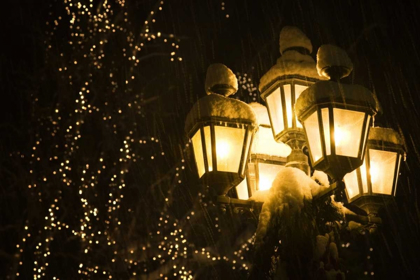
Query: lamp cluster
x=309, y=109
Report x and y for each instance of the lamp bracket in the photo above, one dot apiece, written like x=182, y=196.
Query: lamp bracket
x=335, y=188
x=239, y=203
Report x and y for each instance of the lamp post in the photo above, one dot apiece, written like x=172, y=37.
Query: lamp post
x=282, y=85
x=221, y=131
x=267, y=157
x=332, y=119
x=375, y=182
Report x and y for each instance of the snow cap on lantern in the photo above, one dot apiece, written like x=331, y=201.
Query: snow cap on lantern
x=332, y=58
x=293, y=37
x=220, y=80
x=221, y=130
x=295, y=50
x=336, y=116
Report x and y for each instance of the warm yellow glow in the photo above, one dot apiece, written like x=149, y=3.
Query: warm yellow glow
x=229, y=145
x=289, y=109
x=298, y=90
x=265, y=183
x=198, y=153
x=364, y=176
x=313, y=135
x=242, y=190
x=266, y=174
x=223, y=149
x=374, y=172
x=342, y=136
x=265, y=144
x=382, y=170
x=352, y=185
x=326, y=127
x=347, y=131
x=207, y=136
x=276, y=111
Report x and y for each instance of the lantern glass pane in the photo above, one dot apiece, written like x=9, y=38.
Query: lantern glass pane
x=207, y=136
x=366, y=134
x=247, y=148
x=398, y=173
x=275, y=110
x=265, y=144
x=229, y=144
x=251, y=177
x=198, y=153
x=266, y=175
x=242, y=190
x=313, y=136
x=352, y=185
x=348, y=127
x=289, y=107
x=363, y=174
x=326, y=126
x=382, y=170
x=298, y=90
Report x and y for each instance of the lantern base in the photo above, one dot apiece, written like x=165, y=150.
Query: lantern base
x=372, y=203
x=337, y=166
x=299, y=160
x=293, y=137
x=221, y=182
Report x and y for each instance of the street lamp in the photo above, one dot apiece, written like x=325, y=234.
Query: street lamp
x=221, y=131
x=336, y=117
x=281, y=86
x=369, y=186
x=267, y=157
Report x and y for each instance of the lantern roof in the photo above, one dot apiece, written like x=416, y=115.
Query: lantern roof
x=292, y=62
x=334, y=92
x=217, y=107
x=386, y=135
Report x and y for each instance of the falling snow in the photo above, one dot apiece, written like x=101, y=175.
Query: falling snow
x=98, y=177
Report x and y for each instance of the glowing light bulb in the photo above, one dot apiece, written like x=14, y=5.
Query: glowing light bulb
x=265, y=183
x=374, y=172
x=341, y=137
x=223, y=149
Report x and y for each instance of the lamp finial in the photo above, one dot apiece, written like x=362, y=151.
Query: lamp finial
x=220, y=80
x=333, y=62
x=292, y=38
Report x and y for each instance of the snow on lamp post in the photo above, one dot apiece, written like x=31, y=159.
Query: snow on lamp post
x=267, y=158
x=280, y=87
x=336, y=116
x=373, y=183
x=221, y=131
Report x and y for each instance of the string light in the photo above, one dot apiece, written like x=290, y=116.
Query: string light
x=59, y=136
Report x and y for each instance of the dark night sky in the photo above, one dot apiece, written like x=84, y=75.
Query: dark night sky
x=381, y=40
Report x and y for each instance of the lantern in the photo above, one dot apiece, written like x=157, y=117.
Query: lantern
x=336, y=117
x=267, y=157
x=376, y=180
x=280, y=87
x=221, y=131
